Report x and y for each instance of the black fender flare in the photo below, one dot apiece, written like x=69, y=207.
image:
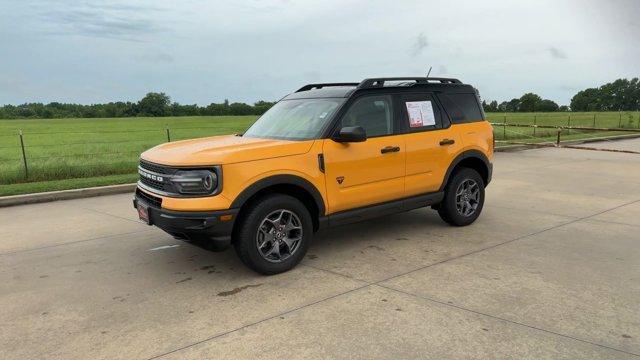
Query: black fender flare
x=284, y=179
x=469, y=154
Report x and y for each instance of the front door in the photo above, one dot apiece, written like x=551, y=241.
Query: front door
x=370, y=172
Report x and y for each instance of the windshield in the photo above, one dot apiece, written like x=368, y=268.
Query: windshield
x=299, y=119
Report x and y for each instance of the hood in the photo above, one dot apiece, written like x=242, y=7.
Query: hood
x=219, y=150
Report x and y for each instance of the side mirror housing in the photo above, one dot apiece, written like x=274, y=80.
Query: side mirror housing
x=350, y=134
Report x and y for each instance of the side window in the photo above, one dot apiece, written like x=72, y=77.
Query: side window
x=462, y=108
x=373, y=113
x=419, y=112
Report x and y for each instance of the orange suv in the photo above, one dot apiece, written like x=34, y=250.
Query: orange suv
x=325, y=155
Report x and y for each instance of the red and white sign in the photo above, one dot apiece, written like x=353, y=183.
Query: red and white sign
x=420, y=113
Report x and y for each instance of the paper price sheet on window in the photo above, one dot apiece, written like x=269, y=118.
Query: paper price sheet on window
x=420, y=113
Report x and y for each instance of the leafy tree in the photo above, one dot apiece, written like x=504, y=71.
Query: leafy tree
x=491, y=107
x=261, y=107
x=529, y=102
x=620, y=95
x=586, y=100
x=240, y=109
x=154, y=104
x=513, y=105
x=547, y=106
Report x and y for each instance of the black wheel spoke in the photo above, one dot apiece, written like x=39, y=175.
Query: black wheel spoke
x=467, y=197
x=279, y=235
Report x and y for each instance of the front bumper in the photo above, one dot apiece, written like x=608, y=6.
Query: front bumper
x=214, y=226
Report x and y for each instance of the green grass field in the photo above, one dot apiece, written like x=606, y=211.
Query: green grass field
x=74, y=153
x=71, y=153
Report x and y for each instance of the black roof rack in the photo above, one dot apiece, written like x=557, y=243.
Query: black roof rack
x=379, y=82
x=320, y=86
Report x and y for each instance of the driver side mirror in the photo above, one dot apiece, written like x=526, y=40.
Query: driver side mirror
x=350, y=134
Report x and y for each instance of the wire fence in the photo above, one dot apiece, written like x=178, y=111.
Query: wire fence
x=27, y=156
x=562, y=136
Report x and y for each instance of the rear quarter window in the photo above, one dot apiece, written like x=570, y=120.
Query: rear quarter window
x=461, y=108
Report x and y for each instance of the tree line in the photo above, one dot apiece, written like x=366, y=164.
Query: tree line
x=153, y=104
x=620, y=95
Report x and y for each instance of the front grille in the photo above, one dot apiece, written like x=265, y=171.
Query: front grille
x=152, y=183
x=152, y=200
x=157, y=178
x=157, y=169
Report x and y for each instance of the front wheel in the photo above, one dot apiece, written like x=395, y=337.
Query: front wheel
x=463, y=198
x=274, y=234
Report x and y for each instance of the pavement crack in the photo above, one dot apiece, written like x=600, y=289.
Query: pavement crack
x=219, y=335
x=449, y=304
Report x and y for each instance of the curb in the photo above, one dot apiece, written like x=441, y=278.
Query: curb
x=520, y=147
x=13, y=200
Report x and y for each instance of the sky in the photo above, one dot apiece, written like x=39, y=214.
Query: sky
x=200, y=52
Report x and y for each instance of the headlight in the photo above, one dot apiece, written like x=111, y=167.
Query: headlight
x=195, y=182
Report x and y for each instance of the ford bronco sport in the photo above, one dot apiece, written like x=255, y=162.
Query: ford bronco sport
x=325, y=155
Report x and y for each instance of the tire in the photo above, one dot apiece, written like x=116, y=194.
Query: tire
x=274, y=219
x=453, y=209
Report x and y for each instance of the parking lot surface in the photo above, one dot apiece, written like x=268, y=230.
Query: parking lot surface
x=551, y=269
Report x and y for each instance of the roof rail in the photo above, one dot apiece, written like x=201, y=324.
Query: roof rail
x=379, y=82
x=320, y=86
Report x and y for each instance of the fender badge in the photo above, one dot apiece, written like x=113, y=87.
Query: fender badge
x=340, y=179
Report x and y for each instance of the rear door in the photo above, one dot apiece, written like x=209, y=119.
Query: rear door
x=431, y=143
x=370, y=172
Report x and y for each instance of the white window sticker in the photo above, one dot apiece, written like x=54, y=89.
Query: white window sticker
x=420, y=113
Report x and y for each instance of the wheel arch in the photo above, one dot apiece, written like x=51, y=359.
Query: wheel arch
x=473, y=159
x=292, y=185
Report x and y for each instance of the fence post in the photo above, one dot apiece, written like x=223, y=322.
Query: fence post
x=24, y=157
x=620, y=120
x=535, y=120
x=558, y=139
x=569, y=125
x=504, y=128
x=594, y=120
x=168, y=135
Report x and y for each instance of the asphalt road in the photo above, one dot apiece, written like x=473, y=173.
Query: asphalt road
x=550, y=270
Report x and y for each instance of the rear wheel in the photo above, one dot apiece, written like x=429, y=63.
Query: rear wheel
x=463, y=198
x=274, y=234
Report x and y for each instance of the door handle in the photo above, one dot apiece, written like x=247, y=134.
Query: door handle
x=447, y=142
x=389, y=149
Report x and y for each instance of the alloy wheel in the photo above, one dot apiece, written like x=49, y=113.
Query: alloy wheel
x=279, y=235
x=467, y=197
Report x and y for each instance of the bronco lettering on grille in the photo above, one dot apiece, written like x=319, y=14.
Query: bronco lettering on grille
x=150, y=176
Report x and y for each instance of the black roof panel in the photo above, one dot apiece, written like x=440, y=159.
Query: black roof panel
x=402, y=84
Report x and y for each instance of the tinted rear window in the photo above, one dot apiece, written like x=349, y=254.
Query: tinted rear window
x=461, y=108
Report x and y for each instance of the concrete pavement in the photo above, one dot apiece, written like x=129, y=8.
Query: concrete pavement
x=551, y=269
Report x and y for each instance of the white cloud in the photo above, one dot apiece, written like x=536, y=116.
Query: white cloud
x=204, y=51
